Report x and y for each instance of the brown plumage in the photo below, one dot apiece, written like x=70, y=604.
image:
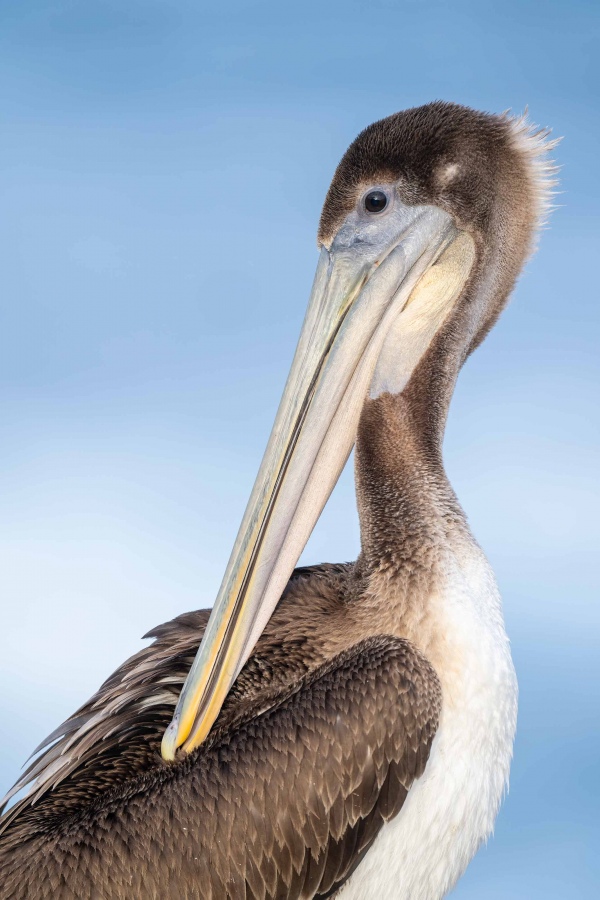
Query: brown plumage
x=312, y=739
x=332, y=718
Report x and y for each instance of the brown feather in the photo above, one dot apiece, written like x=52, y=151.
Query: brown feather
x=151, y=835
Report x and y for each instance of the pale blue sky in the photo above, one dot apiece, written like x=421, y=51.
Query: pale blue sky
x=162, y=170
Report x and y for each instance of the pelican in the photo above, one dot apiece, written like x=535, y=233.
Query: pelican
x=336, y=730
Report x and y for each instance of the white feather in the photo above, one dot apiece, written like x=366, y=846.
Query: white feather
x=451, y=810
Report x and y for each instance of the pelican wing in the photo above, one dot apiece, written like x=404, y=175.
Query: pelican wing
x=283, y=802
x=111, y=737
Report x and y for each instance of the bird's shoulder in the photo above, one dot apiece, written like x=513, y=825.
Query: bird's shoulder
x=116, y=734
x=285, y=801
x=307, y=761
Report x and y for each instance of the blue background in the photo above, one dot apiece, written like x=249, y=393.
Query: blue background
x=163, y=166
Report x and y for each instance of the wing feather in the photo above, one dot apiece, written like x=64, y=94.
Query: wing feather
x=283, y=802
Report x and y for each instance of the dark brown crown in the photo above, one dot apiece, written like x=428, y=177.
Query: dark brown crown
x=448, y=155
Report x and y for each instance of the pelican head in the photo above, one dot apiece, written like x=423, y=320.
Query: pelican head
x=424, y=229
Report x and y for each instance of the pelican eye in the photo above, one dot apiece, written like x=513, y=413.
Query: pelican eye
x=375, y=201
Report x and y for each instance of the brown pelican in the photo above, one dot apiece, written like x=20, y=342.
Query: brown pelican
x=343, y=728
